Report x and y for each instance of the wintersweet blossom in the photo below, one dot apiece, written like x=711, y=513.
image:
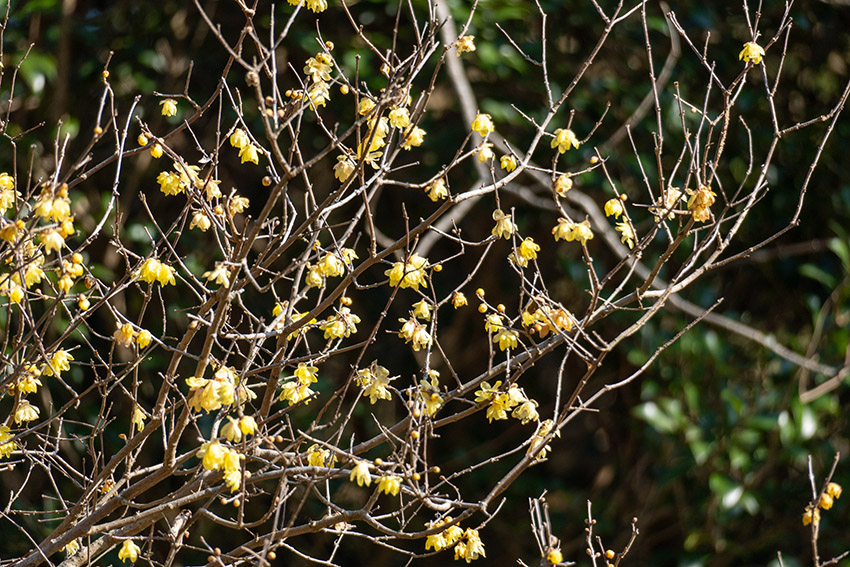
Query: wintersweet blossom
x=374, y=381
x=399, y=117
x=410, y=273
x=239, y=139
x=414, y=138
x=125, y=335
x=613, y=207
x=437, y=190
x=220, y=274
x=508, y=163
x=459, y=300
x=389, y=484
x=527, y=250
x=25, y=412
x=752, y=52
x=465, y=44
x=360, y=474
x=700, y=203
x=169, y=108
x=483, y=124
x=564, y=140
x=563, y=184
x=505, y=227
x=414, y=332
x=627, y=233
x=129, y=550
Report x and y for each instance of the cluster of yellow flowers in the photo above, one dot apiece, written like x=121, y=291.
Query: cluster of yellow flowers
x=427, y=396
x=700, y=202
x=152, y=270
x=505, y=227
x=388, y=483
x=223, y=389
x=126, y=335
x=569, y=231
x=527, y=250
x=825, y=502
x=410, y=273
x=312, y=5
x=247, y=150
x=412, y=331
x=331, y=264
x=216, y=456
x=468, y=544
x=297, y=389
x=503, y=401
x=538, y=440
x=544, y=319
x=340, y=325
x=374, y=380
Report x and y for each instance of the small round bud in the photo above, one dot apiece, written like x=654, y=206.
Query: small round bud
x=271, y=555
x=435, y=470
x=414, y=434
x=479, y=292
x=416, y=476
x=222, y=500
x=142, y=140
x=500, y=308
x=344, y=89
x=236, y=503
x=105, y=74
x=267, y=181
x=218, y=210
x=693, y=110
x=624, y=197
x=77, y=258
x=417, y=414
x=122, y=437
x=98, y=130
x=279, y=439
x=482, y=308
x=217, y=551
x=269, y=112
x=156, y=151
x=438, y=268
x=83, y=303
x=269, y=101
x=594, y=159
x=345, y=300
x=330, y=45
x=609, y=554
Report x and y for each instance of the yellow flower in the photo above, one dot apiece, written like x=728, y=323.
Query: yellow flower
x=124, y=335
x=506, y=338
x=613, y=207
x=422, y=310
x=169, y=107
x=555, y=556
x=751, y=52
x=343, y=324
x=526, y=411
x=564, y=140
x=138, y=419
x=508, y=163
x=825, y=501
x=52, y=240
x=212, y=454
x=563, y=184
x=201, y=221
x=811, y=515
x=129, y=550
x=25, y=412
x=319, y=67
x=493, y=323
x=315, y=276
x=239, y=139
x=220, y=274
x=485, y=153
x=344, y=167
x=543, y=430
x=249, y=153
x=414, y=139
x=231, y=430
x=72, y=547
x=437, y=190
x=474, y=547
x=389, y=484
x=317, y=5
x=149, y=270
x=505, y=227
x=483, y=124
x=666, y=203
x=156, y=151
x=331, y=265
x=700, y=202
x=318, y=457
x=528, y=250
x=834, y=490
x=465, y=44
x=60, y=361
x=248, y=425
x=414, y=332
x=6, y=447
x=144, y=338
x=399, y=117
x=169, y=183
x=409, y=274
x=626, y=232
x=374, y=381
x=365, y=106
x=459, y=300
x=360, y=474
x=165, y=275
